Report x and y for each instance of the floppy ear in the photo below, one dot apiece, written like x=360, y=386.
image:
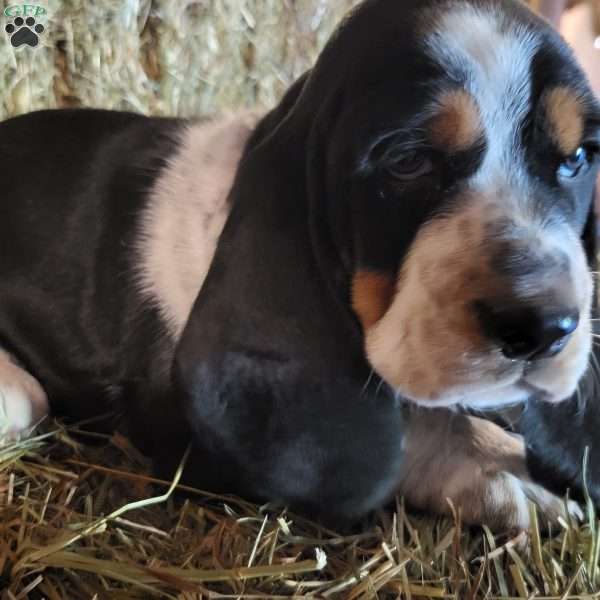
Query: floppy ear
x=274, y=118
x=261, y=290
x=590, y=234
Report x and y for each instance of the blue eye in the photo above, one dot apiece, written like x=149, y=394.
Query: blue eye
x=574, y=164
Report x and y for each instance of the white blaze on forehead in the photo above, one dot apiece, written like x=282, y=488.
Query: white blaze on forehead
x=491, y=56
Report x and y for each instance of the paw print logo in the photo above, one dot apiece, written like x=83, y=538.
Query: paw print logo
x=24, y=31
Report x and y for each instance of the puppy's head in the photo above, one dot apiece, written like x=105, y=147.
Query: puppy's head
x=458, y=169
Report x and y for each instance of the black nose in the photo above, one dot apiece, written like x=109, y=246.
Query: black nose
x=526, y=332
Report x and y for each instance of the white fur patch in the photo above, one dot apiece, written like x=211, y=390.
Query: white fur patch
x=493, y=57
x=186, y=213
x=23, y=402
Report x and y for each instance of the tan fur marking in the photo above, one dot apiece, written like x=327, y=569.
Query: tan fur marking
x=372, y=294
x=564, y=112
x=440, y=279
x=457, y=124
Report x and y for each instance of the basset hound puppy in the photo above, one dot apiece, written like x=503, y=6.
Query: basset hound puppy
x=319, y=299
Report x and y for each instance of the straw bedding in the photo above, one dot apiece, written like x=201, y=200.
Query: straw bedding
x=80, y=517
x=80, y=514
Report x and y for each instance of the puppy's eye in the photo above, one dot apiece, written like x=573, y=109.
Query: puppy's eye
x=410, y=166
x=575, y=164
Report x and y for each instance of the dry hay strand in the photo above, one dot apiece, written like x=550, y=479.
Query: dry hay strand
x=74, y=527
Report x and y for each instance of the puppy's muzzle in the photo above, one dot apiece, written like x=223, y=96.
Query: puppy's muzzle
x=526, y=331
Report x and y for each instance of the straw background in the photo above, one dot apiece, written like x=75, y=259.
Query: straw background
x=166, y=57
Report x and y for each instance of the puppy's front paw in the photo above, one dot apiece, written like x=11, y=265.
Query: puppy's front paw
x=505, y=502
x=23, y=402
x=477, y=467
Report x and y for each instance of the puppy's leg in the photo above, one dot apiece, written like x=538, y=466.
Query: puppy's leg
x=23, y=402
x=478, y=466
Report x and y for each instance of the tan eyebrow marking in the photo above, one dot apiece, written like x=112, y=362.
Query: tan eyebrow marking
x=457, y=123
x=564, y=113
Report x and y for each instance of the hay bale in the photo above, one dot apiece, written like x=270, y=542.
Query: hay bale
x=166, y=57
